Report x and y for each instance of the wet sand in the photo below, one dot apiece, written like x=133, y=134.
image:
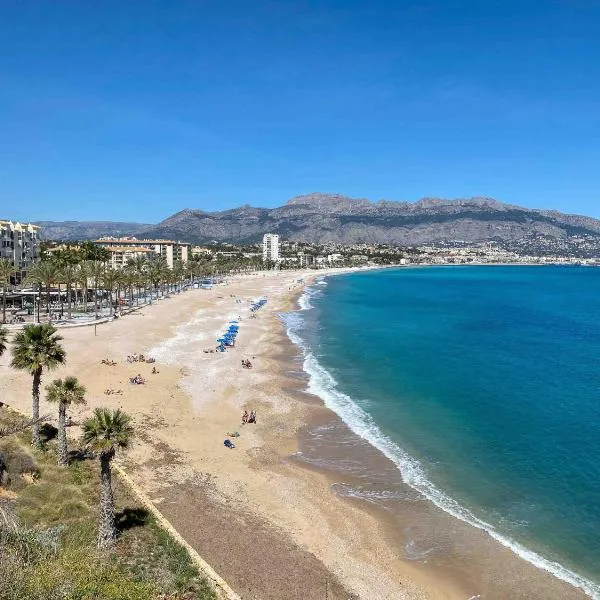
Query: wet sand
x=276, y=524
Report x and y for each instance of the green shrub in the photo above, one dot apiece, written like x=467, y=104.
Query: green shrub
x=47, y=552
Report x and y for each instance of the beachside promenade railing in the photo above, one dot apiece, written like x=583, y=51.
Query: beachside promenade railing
x=91, y=316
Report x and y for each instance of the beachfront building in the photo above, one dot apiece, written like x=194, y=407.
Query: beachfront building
x=19, y=243
x=121, y=255
x=271, y=247
x=168, y=250
x=305, y=260
x=201, y=251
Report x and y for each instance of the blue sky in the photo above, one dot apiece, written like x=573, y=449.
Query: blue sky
x=134, y=110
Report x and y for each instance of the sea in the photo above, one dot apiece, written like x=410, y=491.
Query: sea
x=482, y=385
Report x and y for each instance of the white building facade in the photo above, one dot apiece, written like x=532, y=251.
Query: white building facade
x=271, y=247
x=168, y=250
x=19, y=244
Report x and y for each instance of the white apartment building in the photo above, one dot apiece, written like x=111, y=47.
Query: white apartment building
x=170, y=251
x=121, y=255
x=270, y=247
x=19, y=243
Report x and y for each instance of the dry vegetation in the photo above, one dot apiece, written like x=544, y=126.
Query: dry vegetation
x=48, y=521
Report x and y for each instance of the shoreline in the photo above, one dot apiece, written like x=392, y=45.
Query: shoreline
x=270, y=525
x=438, y=498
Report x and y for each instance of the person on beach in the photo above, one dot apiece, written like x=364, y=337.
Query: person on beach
x=244, y=417
x=252, y=417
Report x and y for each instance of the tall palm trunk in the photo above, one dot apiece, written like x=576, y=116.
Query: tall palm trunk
x=96, y=297
x=63, y=457
x=60, y=301
x=4, y=303
x=35, y=407
x=69, y=299
x=106, y=530
x=48, y=300
x=39, y=304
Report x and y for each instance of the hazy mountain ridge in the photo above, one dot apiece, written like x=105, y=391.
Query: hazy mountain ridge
x=323, y=218
x=87, y=230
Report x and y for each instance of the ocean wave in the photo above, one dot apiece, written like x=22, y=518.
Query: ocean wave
x=352, y=491
x=304, y=301
x=322, y=384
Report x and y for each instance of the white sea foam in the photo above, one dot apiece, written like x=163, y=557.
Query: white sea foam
x=322, y=384
x=171, y=350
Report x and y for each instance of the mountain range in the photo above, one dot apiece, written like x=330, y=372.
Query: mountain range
x=321, y=218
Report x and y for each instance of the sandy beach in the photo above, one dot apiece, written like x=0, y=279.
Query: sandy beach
x=271, y=515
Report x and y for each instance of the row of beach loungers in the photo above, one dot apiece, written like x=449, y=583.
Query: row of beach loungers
x=227, y=340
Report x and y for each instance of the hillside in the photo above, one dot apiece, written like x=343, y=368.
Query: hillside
x=87, y=230
x=323, y=218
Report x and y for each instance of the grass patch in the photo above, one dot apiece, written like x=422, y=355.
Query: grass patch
x=50, y=554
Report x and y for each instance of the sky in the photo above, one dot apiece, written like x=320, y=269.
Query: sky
x=134, y=110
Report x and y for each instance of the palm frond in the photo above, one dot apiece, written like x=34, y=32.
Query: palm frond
x=67, y=391
x=37, y=346
x=107, y=431
x=3, y=339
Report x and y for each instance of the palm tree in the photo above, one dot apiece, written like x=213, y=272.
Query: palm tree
x=3, y=339
x=7, y=270
x=179, y=273
x=105, y=433
x=130, y=280
x=46, y=273
x=96, y=273
x=64, y=392
x=36, y=348
x=68, y=261
x=156, y=275
x=35, y=276
x=110, y=283
x=84, y=274
x=140, y=265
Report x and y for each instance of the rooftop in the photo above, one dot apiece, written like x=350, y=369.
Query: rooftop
x=128, y=249
x=17, y=225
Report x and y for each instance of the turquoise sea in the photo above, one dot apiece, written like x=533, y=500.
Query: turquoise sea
x=483, y=385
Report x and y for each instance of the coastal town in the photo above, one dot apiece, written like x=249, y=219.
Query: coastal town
x=179, y=352
x=114, y=272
